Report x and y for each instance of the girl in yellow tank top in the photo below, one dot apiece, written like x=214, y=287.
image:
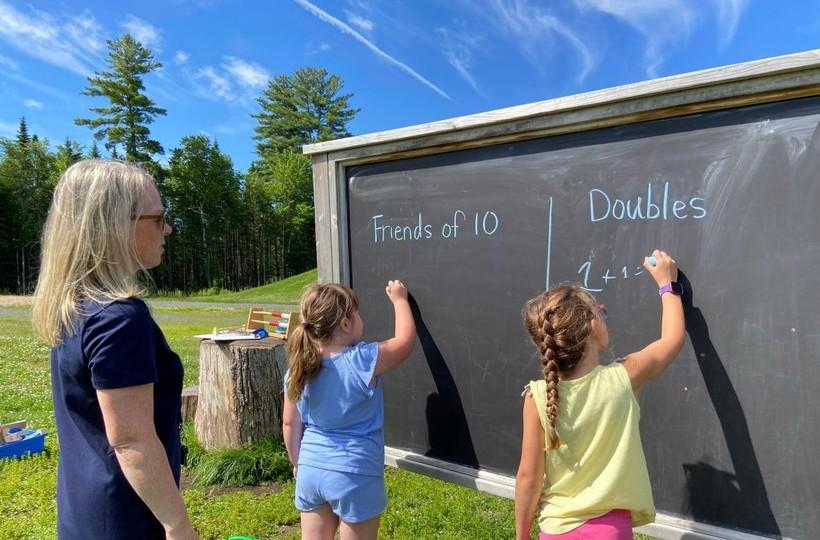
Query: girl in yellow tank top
x=582, y=468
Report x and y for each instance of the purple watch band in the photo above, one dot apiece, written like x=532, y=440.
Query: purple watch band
x=672, y=287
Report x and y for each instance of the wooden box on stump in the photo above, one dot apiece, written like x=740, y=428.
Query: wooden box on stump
x=240, y=392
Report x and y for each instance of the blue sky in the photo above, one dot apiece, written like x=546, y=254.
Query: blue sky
x=406, y=61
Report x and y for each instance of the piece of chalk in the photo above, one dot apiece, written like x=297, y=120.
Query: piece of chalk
x=652, y=260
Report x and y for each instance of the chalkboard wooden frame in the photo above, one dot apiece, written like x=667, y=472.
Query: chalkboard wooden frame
x=764, y=81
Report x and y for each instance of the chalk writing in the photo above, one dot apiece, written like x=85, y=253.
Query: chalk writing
x=485, y=223
x=602, y=206
x=595, y=282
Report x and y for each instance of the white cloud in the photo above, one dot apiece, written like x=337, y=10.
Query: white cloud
x=32, y=104
x=457, y=50
x=142, y=31
x=363, y=24
x=45, y=89
x=729, y=13
x=218, y=84
x=8, y=63
x=346, y=29
x=39, y=35
x=7, y=128
x=181, y=57
x=226, y=129
x=246, y=74
x=660, y=22
x=530, y=26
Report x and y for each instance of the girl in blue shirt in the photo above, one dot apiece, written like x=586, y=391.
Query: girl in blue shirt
x=334, y=410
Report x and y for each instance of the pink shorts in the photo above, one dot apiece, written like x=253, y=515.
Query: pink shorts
x=614, y=525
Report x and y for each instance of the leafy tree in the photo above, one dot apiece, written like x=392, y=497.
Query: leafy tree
x=67, y=154
x=125, y=122
x=202, y=190
x=285, y=179
x=300, y=109
x=27, y=179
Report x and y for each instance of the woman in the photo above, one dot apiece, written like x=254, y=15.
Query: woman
x=116, y=384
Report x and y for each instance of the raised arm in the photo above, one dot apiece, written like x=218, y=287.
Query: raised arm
x=128, y=414
x=652, y=360
x=395, y=350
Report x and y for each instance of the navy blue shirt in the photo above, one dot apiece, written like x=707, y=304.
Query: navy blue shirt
x=115, y=346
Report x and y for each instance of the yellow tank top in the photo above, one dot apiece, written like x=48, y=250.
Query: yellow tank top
x=600, y=465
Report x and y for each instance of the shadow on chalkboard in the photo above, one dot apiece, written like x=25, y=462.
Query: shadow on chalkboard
x=447, y=428
x=736, y=500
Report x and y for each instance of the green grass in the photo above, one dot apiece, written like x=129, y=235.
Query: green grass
x=283, y=292
x=419, y=507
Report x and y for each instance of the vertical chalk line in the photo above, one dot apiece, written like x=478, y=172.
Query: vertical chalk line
x=549, y=242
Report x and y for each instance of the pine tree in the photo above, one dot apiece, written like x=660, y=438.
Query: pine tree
x=94, y=153
x=126, y=121
x=300, y=109
x=22, y=133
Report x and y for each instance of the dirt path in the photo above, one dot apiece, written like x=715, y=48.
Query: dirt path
x=16, y=300
x=9, y=300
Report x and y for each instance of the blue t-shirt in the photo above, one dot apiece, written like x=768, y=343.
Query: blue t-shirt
x=343, y=415
x=115, y=346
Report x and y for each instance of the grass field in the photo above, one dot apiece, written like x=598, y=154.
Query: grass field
x=285, y=291
x=419, y=507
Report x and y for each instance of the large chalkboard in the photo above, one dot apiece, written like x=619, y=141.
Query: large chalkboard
x=730, y=431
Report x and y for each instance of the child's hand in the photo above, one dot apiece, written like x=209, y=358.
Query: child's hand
x=395, y=290
x=665, y=269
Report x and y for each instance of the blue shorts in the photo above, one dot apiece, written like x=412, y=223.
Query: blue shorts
x=353, y=497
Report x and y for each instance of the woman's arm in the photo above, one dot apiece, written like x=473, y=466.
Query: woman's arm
x=292, y=429
x=395, y=350
x=128, y=414
x=652, y=360
x=529, y=481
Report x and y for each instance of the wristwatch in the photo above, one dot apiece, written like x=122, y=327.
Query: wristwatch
x=673, y=286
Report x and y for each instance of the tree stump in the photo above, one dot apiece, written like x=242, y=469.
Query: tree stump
x=190, y=396
x=240, y=392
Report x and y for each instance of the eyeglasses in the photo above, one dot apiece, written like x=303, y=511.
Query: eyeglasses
x=600, y=309
x=164, y=218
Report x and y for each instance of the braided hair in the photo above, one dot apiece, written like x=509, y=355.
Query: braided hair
x=321, y=309
x=559, y=323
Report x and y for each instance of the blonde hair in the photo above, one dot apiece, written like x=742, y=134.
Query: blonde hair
x=88, y=248
x=559, y=322
x=321, y=309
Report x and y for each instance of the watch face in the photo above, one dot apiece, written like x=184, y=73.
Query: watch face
x=677, y=288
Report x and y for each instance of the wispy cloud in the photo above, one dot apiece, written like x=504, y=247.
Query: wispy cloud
x=530, y=25
x=8, y=63
x=729, y=13
x=235, y=80
x=73, y=45
x=345, y=28
x=660, y=22
x=246, y=74
x=45, y=89
x=363, y=24
x=181, y=57
x=218, y=85
x=32, y=104
x=7, y=128
x=143, y=31
x=458, y=50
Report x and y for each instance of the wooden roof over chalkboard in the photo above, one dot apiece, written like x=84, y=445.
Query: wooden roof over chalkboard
x=771, y=79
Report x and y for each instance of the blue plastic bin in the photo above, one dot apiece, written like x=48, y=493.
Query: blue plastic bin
x=33, y=443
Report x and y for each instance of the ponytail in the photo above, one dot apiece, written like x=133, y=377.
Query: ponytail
x=321, y=309
x=304, y=361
